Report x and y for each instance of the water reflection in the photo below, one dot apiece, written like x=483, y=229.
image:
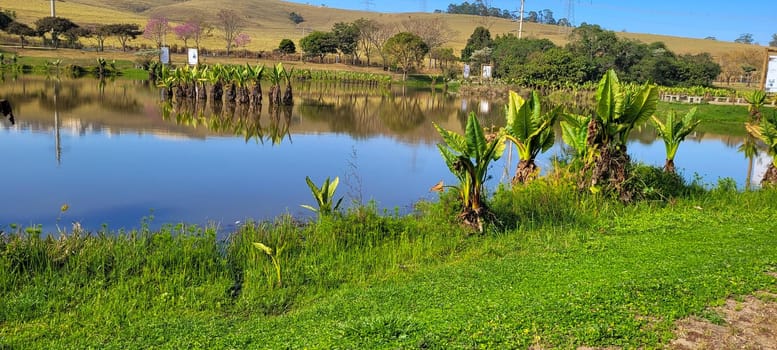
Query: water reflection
x=114, y=150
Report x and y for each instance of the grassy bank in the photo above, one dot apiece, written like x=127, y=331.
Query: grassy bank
x=561, y=269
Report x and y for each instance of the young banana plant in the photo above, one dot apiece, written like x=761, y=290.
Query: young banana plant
x=530, y=130
x=673, y=132
x=324, y=196
x=468, y=157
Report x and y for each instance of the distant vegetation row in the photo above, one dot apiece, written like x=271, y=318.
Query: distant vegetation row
x=404, y=47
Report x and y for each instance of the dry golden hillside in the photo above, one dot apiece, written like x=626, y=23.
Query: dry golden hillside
x=267, y=21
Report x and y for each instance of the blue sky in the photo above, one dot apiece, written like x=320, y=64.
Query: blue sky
x=724, y=20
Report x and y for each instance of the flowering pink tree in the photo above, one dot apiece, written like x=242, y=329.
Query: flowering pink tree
x=186, y=31
x=242, y=39
x=156, y=30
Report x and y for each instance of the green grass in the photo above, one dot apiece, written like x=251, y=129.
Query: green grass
x=715, y=119
x=561, y=269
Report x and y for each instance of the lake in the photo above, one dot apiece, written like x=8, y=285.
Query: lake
x=115, y=153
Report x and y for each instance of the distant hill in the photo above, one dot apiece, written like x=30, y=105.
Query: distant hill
x=268, y=21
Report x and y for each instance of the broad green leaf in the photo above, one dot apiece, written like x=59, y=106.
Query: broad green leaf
x=263, y=247
x=476, y=138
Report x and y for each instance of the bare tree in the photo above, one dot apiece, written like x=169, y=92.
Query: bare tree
x=433, y=31
x=378, y=37
x=231, y=24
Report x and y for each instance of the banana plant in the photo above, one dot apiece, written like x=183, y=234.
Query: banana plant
x=618, y=110
x=673, y=132
x=766, y=131
x=324, y=196
x=530, y=130
x=468, y=157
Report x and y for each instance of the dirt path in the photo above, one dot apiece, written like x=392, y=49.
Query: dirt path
x=750, y=323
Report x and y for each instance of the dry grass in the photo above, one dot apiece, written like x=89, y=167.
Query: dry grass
x=268, y=23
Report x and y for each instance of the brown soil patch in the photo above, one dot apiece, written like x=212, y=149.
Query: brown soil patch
x=750, y=324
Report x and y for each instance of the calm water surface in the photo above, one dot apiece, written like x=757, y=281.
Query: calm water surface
x=115, y=153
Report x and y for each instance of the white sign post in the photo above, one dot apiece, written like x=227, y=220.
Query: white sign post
x=486, y=72
x=194, y=58
x=770, y=83
x=466, y=71
x=164, y=55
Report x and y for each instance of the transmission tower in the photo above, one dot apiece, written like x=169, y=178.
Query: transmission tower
x=423, y=5
x=571, y=12
x=368, y=5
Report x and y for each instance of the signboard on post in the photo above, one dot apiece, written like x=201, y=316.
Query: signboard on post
x=486, y=72
x=164, y=55
x=466, y=71
x=194, y=58
x=770, y=82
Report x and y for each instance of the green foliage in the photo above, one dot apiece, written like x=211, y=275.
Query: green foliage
x=324, y=196
x=510, y=53
x=54, y=25
x=273, y=257
x=346, y=35
x=574, y=132
x=766, y=131
x=653, y=183
x=756, y=100
x=619, y=109
x=468, y=157
x=673, y=131
x=405, y=50
x=296, y=18
x=318, y=44
x=530, y=130
x=480, y=39
x=287, y=46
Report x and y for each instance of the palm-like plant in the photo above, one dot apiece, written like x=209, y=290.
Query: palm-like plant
x=288, y=96
x=574, y=132
x=276, y=76
x=324, y=196
x=766, y=131
x=756, y=100
x=256, y=73
x=673, y=132
x=618, y=110
x=530, y=130
x=468, y=157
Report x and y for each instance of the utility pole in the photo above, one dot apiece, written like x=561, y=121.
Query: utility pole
x=53, y=11
x=520, y=20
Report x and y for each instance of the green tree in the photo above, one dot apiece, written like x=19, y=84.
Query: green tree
x=745, y=38
x=406, y=50
x=54, y=25
x=480, y=38
x=5, y=20
x=123, y=32
x=553, y=68
x=509, y=53
x=530, y=130
x=287, y=46
x=20, y=29
x=673, y=131
x=697, y=70
x=346, y=36
x=318, y=44
x=296, y=18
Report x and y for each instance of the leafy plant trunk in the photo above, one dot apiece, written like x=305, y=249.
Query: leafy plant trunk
x=256, y=94
x=275, y=94
x=527, y=170
x=288, y=96
x=231, y=93
x=243, y=95
x=669, y=166
x=770, y=177
x=218, y=91
x=474, y=212
x=202, y=92
x=611, y=171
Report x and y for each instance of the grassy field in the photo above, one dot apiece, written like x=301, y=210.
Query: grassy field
x=562, y=269
x=267, y=21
